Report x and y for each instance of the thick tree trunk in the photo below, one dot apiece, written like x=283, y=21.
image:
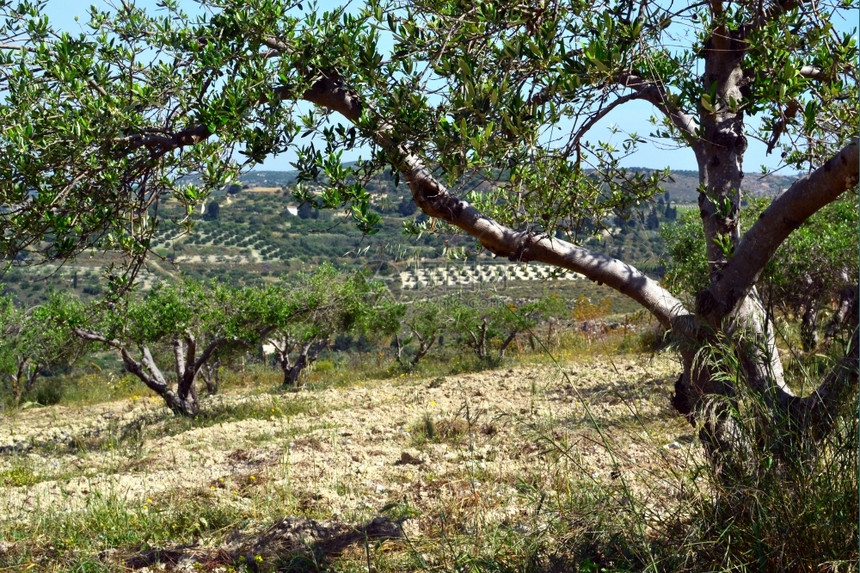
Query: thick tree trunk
x=292, y=372
x=149, y=373
x=308, y=354
x=184, y=350
x=183, y=400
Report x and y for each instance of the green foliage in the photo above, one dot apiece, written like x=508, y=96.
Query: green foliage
x=187, y=323
x=812, y=266
x=424, y=322
x=93, y=134
x=79, y=186
x=31, y=344
x=686, y=263
x=19, y=474
x=483, y=325
x=818, y=259
x=497, y=101
x=300, y=316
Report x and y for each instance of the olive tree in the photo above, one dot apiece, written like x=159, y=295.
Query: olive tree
x=489, y=327
x=301, y=316
x=485, y=110
x=183, y=324
x=424, y=323
x=30, y=343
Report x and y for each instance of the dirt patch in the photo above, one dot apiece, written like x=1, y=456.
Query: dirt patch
x=474, y=443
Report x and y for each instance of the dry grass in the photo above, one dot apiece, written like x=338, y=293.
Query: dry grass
x=579, y=466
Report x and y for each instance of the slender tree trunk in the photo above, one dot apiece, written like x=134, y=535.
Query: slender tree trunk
x=185, y=350
x=424, y=346
x=507, y=342
x=479, y=340
x=846, y=313
x=398, y=349
x=211, y=376
x=18, y=382
x=809, y=326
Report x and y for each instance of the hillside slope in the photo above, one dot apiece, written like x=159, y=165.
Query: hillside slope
x=471, y=452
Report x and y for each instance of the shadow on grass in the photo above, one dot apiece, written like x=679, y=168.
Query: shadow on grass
x=291, y=544
x=114, y=431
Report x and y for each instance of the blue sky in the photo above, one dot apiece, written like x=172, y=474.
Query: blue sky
x=631, y=117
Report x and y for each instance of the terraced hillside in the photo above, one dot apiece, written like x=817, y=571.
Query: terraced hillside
x=253, y=231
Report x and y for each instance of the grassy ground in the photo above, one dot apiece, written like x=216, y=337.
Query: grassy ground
x=572, y=463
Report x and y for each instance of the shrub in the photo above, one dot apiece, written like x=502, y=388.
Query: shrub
x=47, y=392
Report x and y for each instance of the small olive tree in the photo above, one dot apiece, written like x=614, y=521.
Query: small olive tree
x=301, y=316
x=30, y=342
x=423, y=325
x=182, y=324
x=489, y=328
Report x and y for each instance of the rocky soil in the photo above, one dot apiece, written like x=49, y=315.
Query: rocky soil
x=338, y=459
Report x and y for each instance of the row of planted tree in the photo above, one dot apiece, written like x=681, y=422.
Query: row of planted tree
x=178, y=333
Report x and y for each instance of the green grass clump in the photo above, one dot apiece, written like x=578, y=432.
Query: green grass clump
x=793, y=511
x=20, y=473
x=109, y=528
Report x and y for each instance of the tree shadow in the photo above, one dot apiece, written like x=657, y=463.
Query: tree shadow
x=292, y=544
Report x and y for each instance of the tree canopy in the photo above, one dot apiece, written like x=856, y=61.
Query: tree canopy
x=31, y=343
x=484, y=109
x=187, y=322
x=299, y=318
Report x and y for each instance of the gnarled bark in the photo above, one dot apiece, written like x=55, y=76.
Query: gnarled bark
x=308, y=352
x=183, y=400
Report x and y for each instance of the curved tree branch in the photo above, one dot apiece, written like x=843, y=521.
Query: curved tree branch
x=787, y=212
x=93, y=336
x=601, y=113
x=435, y=200
x=210, y=349
x=655, y=94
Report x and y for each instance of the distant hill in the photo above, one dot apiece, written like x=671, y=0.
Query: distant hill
x=684, y=184
x=682, y=187
x=268, y=178
x=254, y=231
